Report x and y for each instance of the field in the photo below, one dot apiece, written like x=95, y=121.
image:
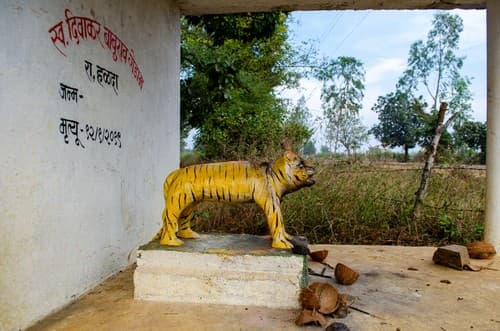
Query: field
x=368, y=203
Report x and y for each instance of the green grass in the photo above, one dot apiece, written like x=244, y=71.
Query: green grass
x=367, y=203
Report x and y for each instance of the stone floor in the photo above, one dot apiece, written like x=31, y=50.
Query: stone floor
x=399, y=288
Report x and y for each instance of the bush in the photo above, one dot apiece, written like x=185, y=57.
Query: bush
x=361, y=203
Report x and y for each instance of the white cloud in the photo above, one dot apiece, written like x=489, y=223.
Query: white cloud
x=384, y=67
x=474, y=33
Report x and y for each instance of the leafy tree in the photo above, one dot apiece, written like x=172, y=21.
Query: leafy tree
x=434, y=67
x=230, y=67
x=473, y=135
x=341, y=95
x=309, y=148
x=297, y=125
x=352, y=134
x=399, y=123
x=325, y=150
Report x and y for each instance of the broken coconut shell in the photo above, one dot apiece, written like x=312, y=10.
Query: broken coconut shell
x=319, y=296
x=319, y=256
x=308, y=297
x=345, y=275
x=307, y=316
x=480, y=250
x=343, y=308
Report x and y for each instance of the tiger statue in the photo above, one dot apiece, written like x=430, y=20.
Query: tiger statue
x=239, y=181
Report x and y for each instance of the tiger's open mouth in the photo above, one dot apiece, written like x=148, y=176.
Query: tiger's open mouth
x=310, y=180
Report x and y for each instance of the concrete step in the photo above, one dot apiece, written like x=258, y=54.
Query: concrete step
x=225, y=269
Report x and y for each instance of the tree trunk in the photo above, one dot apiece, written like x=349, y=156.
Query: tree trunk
x=429, y=163
x=406, y=154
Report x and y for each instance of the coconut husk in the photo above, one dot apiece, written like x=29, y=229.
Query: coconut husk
x=343, y=308
x=319, y=296
x=307, y=316
x=309, y=298
x=345, y=275
x=319, y=256
x=480, y=250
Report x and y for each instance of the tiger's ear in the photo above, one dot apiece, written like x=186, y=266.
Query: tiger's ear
x=287, y=152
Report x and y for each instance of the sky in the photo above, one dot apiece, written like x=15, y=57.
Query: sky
x=382, y=40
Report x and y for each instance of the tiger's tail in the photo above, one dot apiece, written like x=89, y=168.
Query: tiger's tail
x=158, y=235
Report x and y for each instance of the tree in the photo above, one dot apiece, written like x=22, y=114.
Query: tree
x=341, y=95
x=297, y=129
x=352, y=134
x=472, y=135
x=309, y=148
x=434, y=67
x=325, y=150
x=230, y=67
x=399, y=123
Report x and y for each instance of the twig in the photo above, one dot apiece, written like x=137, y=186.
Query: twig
x=487, y=267
x=322, y=274
x=328, y=265
x=365, y=312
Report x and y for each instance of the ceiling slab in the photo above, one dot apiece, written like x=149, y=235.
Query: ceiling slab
x=206, y=7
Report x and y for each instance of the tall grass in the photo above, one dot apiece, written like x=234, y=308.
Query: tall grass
x=367, y=203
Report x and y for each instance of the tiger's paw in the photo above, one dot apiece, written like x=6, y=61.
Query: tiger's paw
x=281, y=244
x=171, y=242
x=188, y=234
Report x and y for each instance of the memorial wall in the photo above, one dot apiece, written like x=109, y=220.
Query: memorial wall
x=89, y=109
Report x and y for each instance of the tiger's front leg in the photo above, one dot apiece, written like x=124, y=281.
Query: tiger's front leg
x=271, y=207
x=280, y=237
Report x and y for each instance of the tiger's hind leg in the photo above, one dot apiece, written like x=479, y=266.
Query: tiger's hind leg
x=185, y=230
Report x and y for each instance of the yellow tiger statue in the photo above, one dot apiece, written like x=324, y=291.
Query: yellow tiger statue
x=240, y=181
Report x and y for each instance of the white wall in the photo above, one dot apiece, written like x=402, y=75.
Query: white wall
x=70, y=215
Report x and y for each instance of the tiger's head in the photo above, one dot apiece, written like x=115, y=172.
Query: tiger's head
x=293, y=171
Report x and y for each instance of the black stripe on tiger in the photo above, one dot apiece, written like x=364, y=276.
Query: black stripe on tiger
x=281, y=174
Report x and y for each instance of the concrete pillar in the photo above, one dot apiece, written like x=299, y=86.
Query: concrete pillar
x=492, y=225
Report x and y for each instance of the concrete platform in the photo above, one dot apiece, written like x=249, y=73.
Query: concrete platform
x=229, y=269
x=399, y=286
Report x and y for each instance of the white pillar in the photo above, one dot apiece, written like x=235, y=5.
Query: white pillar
x=492, y=225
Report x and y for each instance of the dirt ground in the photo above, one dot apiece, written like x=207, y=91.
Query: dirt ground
x=399, y=288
